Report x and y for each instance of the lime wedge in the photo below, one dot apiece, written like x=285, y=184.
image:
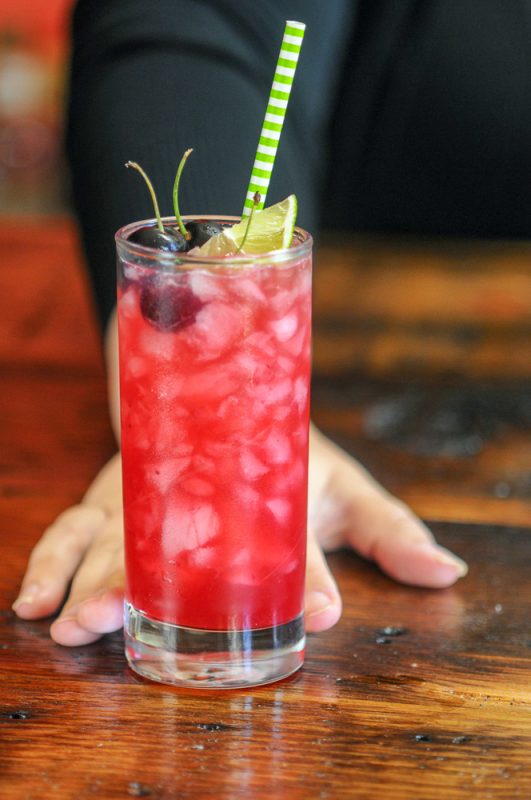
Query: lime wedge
x=270, y=229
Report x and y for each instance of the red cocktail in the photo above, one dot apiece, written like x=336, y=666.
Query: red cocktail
x=215, y=366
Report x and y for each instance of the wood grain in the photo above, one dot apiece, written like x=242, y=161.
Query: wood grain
x=440, y=711
x=422, y=370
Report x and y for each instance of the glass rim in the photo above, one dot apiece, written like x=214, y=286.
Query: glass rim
x=160, y=257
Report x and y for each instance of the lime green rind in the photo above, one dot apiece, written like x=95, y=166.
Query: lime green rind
x=270, y=229
x=295, y=215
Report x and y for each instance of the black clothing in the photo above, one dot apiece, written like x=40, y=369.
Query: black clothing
x=404, y=116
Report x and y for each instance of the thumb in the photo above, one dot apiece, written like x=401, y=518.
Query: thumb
x=322, y=602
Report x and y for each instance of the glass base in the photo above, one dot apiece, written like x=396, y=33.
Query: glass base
x=211, y=659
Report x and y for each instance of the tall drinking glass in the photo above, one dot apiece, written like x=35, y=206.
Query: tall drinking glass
x=214, y=376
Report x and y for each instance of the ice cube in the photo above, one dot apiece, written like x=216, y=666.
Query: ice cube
x=157, y=344
x=300, y=393
x=167, y=434
x=286, y=364
x=243, y=569
x=241, y=557
x=128, y=304
x=206, y=287
x=282, y=301
x=295, y=345
x=188, y=525
x=142, y=441
x=280, y=508
x=251, y=466
x=217, y=327
x=247, y=496
x=246, y=363
x=259, y=411
x=249, y=289
x=204, y=557
x=165, y=473
x=273, y=393
x=292, y=478
x=136, y=366
x=168, y=386
x=211, y=383
x=204, y=465
x=261, y=342
x=280, y=413
x=264, y=372
x=234, y=419
x=277, y=447
x=228, y=407
x=285, y=327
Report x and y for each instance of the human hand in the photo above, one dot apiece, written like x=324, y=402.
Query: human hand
x=85, y=545
x=348, y=507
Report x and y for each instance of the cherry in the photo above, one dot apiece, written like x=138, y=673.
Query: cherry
x=168, y=239
x=166, y=302
x=195, y=233
x=174, y=240
x=201, y=232
x=168, y=306
x=157, y=236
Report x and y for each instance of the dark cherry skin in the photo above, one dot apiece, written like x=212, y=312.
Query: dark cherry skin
x=201, y=232
x=171, y=307
x=171, y=239
x=168, y=307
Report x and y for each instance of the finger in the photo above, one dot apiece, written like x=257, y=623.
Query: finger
x=95, y=602
x=90, y=620
x=387, y=532
x=106, y=490
x=322, y=602
x=55, y=559
x=353, y=508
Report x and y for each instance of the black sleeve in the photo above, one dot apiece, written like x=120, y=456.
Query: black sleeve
x=149, y=80
x=435, y=116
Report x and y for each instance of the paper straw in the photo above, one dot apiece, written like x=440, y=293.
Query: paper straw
x=275, y=114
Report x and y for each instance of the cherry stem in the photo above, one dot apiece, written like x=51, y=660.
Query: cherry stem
x=138, y=168
x=178, y=217
x=256, y=202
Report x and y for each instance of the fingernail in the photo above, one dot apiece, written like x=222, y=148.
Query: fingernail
x=316, y=603
x=448, y=559
x=28, y=595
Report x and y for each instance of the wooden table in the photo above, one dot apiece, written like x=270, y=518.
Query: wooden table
x=422, y=370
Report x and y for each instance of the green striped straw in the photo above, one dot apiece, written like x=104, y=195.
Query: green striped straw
x=275, y=114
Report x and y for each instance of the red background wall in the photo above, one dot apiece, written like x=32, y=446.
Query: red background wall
x=33, y=53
